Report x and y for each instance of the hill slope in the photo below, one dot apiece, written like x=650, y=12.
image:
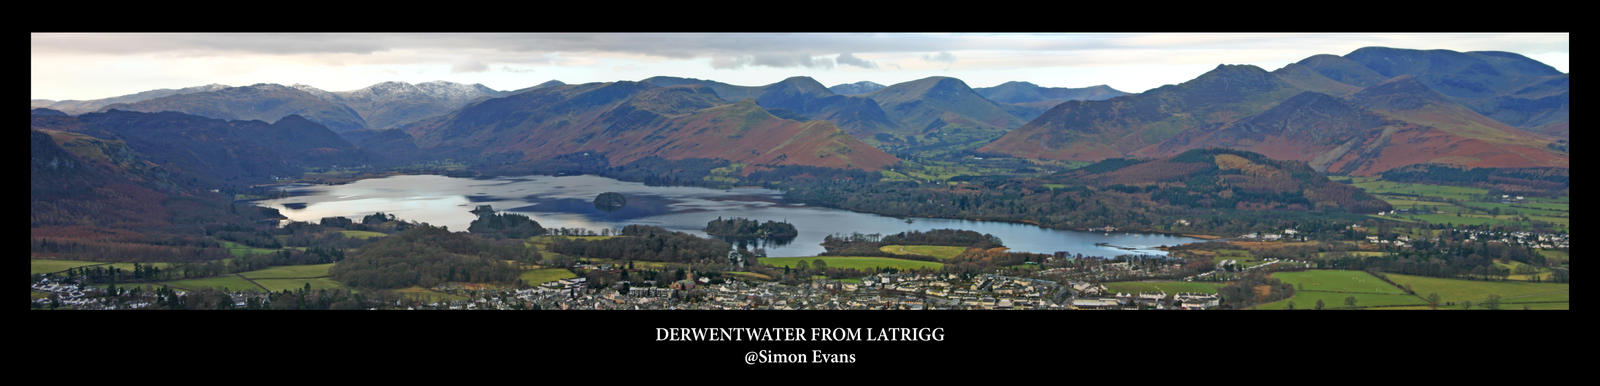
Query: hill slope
x=629, y=121
x=263, y=102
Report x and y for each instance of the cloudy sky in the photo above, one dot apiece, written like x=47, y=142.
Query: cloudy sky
x=92, y=66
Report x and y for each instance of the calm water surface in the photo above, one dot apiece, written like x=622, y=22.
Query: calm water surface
x=566, y=202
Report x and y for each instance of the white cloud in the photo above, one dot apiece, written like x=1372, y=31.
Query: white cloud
x=942, y=56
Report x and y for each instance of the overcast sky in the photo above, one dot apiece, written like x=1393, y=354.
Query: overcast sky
x=93, y=66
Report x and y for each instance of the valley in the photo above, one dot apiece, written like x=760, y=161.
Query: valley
x=1365, y=181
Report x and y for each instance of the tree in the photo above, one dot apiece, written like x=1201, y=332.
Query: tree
x=1320, y=305
x=1350, y=301
x=1291, y=305
x=1493, y=303
x=1433, y=301
x=1466, y=305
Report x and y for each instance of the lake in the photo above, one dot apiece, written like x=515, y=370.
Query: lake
x=567, y=202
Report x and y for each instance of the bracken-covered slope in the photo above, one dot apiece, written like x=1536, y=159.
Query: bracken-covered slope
x=1389, y=125
x=213, y=152
x=1096, y=130
x=628, y=121
x=940, y=103
x=1491, y=83
x=1363, y=113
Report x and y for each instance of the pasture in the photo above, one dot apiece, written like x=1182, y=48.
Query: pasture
x=545, y=275
x=278, y=285
x=224, y=282
x=1456, y=291
x=290, y=271
x=1332, y=287
x=936, y=251
x=1170, y=287
x=361, y=234
x=38, y=266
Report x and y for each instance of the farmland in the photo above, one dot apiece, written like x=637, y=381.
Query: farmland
x=1332, y=287
x=290, y=271
x=937, y=251
x=545, y=275
x=1442, y=204
x=38, y=266
x=277, y=285
x=229, y=282
x=361, y=234
x=1170, y=287
x=1453, y=292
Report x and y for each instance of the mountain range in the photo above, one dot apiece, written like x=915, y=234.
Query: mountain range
x=629, y=121
x=1370, y=111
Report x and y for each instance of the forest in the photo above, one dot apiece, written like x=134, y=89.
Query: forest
x=649, y=243
x=744, y=228
x=428, y=256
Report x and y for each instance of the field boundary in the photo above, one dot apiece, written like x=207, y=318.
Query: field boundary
x=258, y=285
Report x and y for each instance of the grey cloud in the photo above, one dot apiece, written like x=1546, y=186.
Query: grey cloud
x=942, y=56
x=470, y=66
x=846, y=59
x=779, y=60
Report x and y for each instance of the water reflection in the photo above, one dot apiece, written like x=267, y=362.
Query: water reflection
x=567, y=202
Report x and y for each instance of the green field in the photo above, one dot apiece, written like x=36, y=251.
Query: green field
x=38, y=266
x=361, y=234
x=1332, y=287
x=545, y=275
x=290, y=271
x=240, y=249
x=1338, y=281
x=1511, y=292
x=1307, y=300
x=1170, y=287
x=1461, y=205
x=277, y=285
x=229, y=282
x=854, y=262
x=937, y=251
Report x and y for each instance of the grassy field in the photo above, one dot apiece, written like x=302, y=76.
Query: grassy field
x=229, y=282
x=240, y=249
x=1332, y=287
x=856, y=262
x=545, y=275
x=1461, y=205
x=290, y=271
x=1338, y=281
x=361, y=234
x=937, y=251
x=38, y=266
x=1305, y=300
x=1511, y=292
x=424, y=294
x=1170, y=287
x=129, y=266
x=276, y=285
